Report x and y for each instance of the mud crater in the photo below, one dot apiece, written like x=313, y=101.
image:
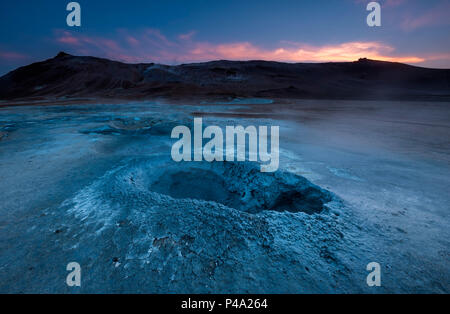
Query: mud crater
x=243, y=187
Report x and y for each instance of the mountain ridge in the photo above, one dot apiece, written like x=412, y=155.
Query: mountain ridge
x=85, y=76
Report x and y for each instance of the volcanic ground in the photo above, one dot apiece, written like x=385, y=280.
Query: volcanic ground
x=359, y=182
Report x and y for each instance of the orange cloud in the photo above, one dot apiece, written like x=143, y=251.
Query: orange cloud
x=302, y=53
x=150, y=45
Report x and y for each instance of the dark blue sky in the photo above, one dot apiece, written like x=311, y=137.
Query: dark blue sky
x=176, y=31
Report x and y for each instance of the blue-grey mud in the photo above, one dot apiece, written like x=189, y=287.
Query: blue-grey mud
x=359, y=182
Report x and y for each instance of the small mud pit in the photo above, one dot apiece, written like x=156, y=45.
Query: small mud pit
x=309, y=201
x=243, y=187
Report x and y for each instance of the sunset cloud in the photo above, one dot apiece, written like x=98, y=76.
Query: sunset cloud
x=150, y=45
x=12, y=56
x=409, y=17
x=437, y=16
x=350, y=51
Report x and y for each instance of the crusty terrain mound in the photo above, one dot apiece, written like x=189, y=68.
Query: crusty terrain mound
x=72, y=76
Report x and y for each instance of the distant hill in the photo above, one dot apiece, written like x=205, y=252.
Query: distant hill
x=73, y=76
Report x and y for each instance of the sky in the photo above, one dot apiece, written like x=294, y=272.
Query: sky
x=181, y=31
